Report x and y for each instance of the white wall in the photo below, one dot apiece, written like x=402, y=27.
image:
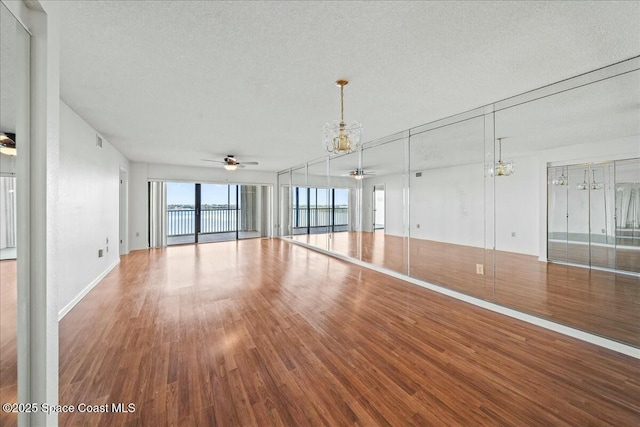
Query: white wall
x=142, y=173
x=516, y=208
x=449, y=203
x=88, y=210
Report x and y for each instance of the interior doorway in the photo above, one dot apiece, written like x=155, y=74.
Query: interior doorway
x=124, y=208
x=378, y=207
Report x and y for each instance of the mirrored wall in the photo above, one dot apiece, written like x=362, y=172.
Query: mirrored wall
x=531, y=202
x=14, y=129
x=593, y=215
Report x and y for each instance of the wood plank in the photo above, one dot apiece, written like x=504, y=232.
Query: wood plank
x=274, y=334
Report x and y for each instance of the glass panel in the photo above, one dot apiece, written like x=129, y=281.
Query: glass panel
x=447, y=206
x=585, y=128
x=285, y=208
x=299, y=224
x=14, y=108
x=558, y=185
x=384, y=241
x=249, y=212
x=346, y=182
x=378, y=207
x=181, y=213
x=627, y=215
x=320, y=208
x=601, y=211
x=217, y=213
x=578, y=250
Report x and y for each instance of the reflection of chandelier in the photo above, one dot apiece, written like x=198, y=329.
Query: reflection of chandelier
x=595, y=185
x=561, y=180
x=584, y=185
x=502, y=168
x=339, y=136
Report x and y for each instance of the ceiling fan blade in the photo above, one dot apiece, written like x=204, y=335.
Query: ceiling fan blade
x=211, y=160
x=249, y=163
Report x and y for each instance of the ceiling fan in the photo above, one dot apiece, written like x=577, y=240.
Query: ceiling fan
x=359, y=173
x=231, y=163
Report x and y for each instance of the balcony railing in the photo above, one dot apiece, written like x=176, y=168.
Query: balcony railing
x=319, y=217
x=181, y=222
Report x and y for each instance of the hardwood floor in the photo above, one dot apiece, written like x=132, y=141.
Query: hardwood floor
x=263, y=332
x=599, y=302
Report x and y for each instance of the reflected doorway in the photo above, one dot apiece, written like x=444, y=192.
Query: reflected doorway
x=8, y=236
x=593, y=218
x=378, y=207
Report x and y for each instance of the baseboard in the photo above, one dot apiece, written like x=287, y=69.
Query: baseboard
x=67, y=308
x=534, y=320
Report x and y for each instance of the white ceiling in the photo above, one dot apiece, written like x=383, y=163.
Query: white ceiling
x=175, y=82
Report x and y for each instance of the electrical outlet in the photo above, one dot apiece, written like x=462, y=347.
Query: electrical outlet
x=137, y=234
x=479, y=268
x=513, y=234
x=100, y=253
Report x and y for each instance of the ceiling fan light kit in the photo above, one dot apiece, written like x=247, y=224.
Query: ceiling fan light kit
x=340, y=136
x=8, y=144
x=230, y=162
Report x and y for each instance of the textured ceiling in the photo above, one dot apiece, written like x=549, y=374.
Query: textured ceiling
x=175, y=82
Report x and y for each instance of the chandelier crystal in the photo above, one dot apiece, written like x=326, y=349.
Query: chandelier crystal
x=502, y=168
x=340, y=136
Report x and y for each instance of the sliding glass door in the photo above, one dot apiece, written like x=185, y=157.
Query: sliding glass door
x=218, y=212
x=320, y=210
x=202, y=213
x=181, y=213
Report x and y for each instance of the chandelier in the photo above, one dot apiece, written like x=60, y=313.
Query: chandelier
x=584, y=185
x=595, y=185
x=338, y=135
x=501, y=168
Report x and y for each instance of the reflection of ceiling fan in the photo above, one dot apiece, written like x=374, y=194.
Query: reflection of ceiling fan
x=359, y=173
x=8, y=143
x=231, y=163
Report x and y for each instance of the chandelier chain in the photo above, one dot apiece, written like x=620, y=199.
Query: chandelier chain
x=342, y=103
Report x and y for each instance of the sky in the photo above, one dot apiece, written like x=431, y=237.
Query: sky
x=183, y=193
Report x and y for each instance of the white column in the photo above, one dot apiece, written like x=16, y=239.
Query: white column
x=37, y=238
